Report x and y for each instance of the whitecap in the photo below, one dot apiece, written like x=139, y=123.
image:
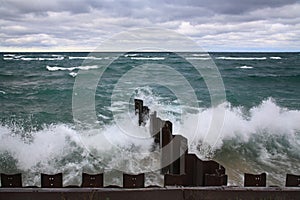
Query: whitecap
x=84, y=58
x=200, y=54
x=103, y=116
x=40, y=58
x=275, y=57
x=245, y=67
x=131, y=55
x=58, y=68
x=73, y=74
x=198, y=58
x=241, y=58
x=55, y=68
x=147, y=58
x=8, y=58
x=9, y=55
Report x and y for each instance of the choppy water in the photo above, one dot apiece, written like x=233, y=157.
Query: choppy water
x=261, y=130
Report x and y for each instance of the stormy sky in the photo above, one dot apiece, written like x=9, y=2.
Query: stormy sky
x=215, y=25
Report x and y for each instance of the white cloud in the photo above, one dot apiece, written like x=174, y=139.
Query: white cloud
x=65, y=24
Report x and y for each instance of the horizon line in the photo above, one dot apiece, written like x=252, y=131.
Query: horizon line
x=224, y=51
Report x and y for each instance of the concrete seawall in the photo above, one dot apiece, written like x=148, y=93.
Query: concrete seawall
x=174, y=193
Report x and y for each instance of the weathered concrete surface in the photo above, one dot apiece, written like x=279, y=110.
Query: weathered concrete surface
x=173, y=193
x=254, y=193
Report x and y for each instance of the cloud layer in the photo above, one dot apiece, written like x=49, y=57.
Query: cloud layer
x=217, y=25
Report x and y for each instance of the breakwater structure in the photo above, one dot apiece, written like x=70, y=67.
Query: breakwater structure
x=186, y=177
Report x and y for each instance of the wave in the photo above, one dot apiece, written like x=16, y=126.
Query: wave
x=26, y=58
x=200, y=54
x=73, y=74
x=241, y=58
x=84, y=58
x=41, y=58
x=8, y=58
x=103, y=116
x=147, y=58
x=9, y=55
x=198, y=58
x=2, y=92
x=131, y=55
x=266, y=137
x=55, y=68
x=61, y=148
x=245, y=67
x=275, y=58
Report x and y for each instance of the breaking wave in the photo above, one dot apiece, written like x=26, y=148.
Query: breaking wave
x=245, y=67
x=275, y=57
x=241, y=58
x=84, y=58
x=55, y=68
x=32, y=58
x=147, y=58
x=264, y=138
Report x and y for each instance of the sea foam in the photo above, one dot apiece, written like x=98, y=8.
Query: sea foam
x=241, y=58
x=147, y=58
x=62, y=148
x=275, y=58
x=245, y=67
x=55, y=68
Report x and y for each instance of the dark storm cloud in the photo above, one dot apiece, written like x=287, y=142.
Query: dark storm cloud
x=236, y=7
x=215, y=23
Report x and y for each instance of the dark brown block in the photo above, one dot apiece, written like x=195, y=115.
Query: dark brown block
x=292, y=180
x=166, y=132
x=179, y=151
x=72, y=186
x=255, y=180
x=92, y=180
x=51, y=181
x=11, y=180
x=212, y=167
x=138, y=106
x=112, y=186
x=145, y=114
x=133, y=181
x=196, y=169
x=193, y=170
x=166, y=138
x=215, y=180
x=175, y=180
x=155, y=126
